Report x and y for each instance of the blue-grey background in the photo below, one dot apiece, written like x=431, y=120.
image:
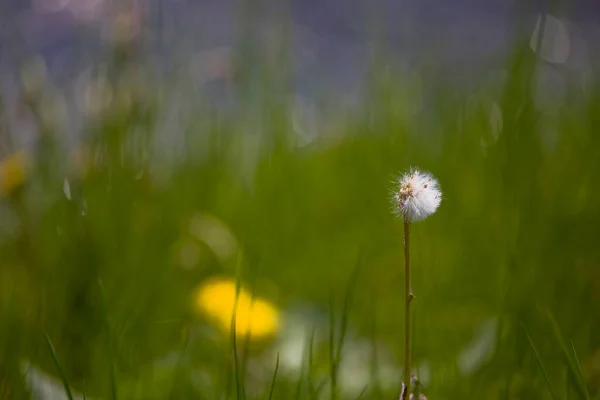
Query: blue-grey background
x=332, y=39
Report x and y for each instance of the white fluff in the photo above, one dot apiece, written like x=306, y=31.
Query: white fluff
x=418, y=195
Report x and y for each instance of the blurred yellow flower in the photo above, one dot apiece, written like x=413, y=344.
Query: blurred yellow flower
x=254, y=317
x=13, y=172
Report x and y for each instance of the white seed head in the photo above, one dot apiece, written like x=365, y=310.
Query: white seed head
x=417, y=196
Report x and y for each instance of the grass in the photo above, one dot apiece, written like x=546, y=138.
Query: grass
x=541, y=364
x=516, y=233
x=61, y=374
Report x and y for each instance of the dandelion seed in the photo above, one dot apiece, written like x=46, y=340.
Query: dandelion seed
x=418, y=195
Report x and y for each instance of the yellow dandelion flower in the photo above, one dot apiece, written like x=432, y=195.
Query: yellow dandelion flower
x=253, y=317
x=13, y=172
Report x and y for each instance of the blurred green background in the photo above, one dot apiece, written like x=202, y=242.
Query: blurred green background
x=105, y=242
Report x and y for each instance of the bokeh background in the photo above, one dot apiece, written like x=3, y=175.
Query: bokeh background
x=159, y=155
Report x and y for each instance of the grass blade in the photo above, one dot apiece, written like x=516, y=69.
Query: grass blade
x=539, y=361
x=274, y=378
x=567, y=384
x=362, y=392
x=236, y=362
x=59, y=369
x=247, y=343
x=574, y=367
x=332, y=355
x=576, y=359
x=178, y=371
x=113, y=385
x=335, y=351
x=374, y=362
x=311, y=386
x=300, y=381
x=578, y=365
x=319, y=388
x=346, y=310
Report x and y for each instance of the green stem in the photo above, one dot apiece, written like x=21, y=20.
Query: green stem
x=409, y=297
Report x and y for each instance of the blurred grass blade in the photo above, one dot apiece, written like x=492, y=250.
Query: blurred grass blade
x=567, y=384
x=572, y=362
x=578, y=365
x=539, y=361
x=271, y=390
x=300, y=381
x=113, y=384
x=179, y=370
x=236, y=362
x=59, y=369
x=247, y=342
x=332, y=355
x=362, y=392
x=311, y=386
x=335, y=349
x=374, y=362
x=346, y=310
x=319, y=388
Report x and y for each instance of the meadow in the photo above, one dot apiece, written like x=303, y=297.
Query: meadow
x=122, y=251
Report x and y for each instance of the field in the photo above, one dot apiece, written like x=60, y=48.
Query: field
x=123, y=251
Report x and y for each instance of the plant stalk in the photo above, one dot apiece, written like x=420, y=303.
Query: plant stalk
x=409, y=297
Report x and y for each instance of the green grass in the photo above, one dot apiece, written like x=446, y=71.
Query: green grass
x=59, y=370
x=516, y=235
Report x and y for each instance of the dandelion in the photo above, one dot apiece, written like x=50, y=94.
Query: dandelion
x=417, y=196
x=255, y=318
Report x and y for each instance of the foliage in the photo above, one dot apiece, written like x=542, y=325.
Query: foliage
x=101, y=258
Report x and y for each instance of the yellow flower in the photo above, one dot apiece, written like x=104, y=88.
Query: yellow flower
x=13, y=172
x=254, y=317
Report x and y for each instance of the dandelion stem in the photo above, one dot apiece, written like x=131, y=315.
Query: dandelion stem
x=409, y=298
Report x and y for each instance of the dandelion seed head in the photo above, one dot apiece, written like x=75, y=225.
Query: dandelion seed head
x=417, y=195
